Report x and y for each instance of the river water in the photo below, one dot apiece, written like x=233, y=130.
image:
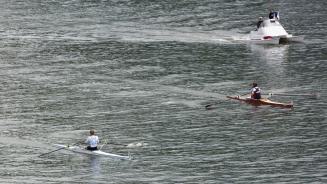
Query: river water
x=141, y=72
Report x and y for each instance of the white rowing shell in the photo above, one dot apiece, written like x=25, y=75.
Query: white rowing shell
x=78, y=149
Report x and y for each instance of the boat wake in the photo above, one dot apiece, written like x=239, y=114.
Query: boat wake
x=185, y=35
x=136, y=144
x=189, y=35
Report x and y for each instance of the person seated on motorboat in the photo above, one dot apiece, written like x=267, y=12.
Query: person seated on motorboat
x=259, y=22
x=273, y=15
x=255, y=91
x=92, y=141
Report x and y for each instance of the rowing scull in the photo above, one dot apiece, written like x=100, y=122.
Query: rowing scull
x=263, y=101
x=78, y=149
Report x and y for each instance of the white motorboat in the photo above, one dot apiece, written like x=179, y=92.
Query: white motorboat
x=271, y=31
x=78, y=149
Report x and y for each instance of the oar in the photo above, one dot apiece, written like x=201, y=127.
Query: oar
x=57, y=150
x=209, y=106
x=112, y=143
x=117, y=144
x=314, y=95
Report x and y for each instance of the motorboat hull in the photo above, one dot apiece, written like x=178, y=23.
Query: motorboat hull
x=272, y=32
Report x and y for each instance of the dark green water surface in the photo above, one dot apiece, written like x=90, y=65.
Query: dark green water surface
x=141, y=72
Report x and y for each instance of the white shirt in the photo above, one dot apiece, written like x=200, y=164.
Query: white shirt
x=92, y=141
x=255, y=90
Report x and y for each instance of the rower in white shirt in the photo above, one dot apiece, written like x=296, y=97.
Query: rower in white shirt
x=92, y=141
x=255, y=91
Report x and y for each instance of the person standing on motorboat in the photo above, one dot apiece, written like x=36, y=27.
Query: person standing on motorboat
x=92, y=141
x=273, y=15
x=259, y=22
x=255, y=91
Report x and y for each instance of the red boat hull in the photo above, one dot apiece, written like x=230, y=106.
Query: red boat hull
x=263, y=101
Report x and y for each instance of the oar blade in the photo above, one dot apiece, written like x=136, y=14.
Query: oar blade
x=209, y=107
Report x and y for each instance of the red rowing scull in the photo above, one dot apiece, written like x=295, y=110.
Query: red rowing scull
x=262, y=101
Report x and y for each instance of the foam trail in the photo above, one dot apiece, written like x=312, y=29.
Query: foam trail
x=178, y=35
x=136, y=144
